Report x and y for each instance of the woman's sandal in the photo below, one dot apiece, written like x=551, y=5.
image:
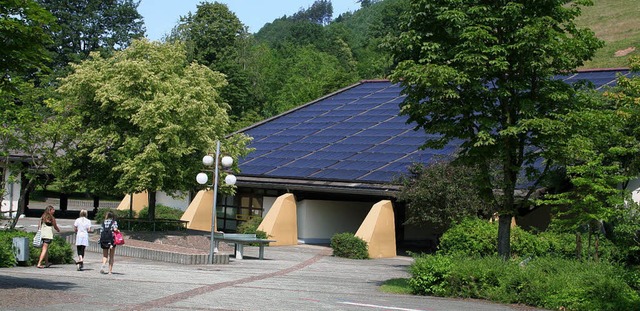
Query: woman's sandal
x=40, y=267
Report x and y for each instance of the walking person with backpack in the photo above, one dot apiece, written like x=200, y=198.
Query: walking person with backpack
x=107, y=243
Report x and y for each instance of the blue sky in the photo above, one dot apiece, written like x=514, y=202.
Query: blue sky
x=160, y=16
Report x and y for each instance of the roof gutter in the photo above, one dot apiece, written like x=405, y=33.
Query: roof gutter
x=386, y=190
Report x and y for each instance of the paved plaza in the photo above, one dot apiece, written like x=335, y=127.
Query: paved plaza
x=302, y=277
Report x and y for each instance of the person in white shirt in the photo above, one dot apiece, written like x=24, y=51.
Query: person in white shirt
x=82, y=226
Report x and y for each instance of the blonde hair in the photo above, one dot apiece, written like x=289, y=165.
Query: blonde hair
x=46, y=216
x=83, y=213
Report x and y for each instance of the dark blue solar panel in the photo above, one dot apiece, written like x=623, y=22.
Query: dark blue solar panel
x=351, y=125
x=285, y=139
x=386, y=133
x=346, y=148
x=378, y=156
x=292, y=172
x=271, y=162
x=363, y=140
x=320, y=139
x=339, y=174
x=358, y=165
x=327, y=119
x=337, y=132
x=311, y=163
x=389, y=148
x=265, y=145
x=327, y=155
x=301, y=131
x=253, y=170
x=302, y=146
x=307, y=126
x=285, y=154
x=353, y=135
x=379, y=177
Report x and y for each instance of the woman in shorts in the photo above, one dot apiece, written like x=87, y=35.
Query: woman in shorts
x=47, y=224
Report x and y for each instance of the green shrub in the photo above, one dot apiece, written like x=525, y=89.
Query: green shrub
x=7, y=254
x=99, y=217
x=60, y=251
x=349, y=246
x=429, y=275
x=550, y=283
x=471, y=237
x=162, y=212
x=477, y=238
x=251, y=227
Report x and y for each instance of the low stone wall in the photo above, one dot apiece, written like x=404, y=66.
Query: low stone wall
x=85, y=204
x=157, y=255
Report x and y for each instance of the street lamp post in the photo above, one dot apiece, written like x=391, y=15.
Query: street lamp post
x=202, y=179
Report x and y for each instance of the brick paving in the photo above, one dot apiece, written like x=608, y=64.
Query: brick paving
x=302, y=277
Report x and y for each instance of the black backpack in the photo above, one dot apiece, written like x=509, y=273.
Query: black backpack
x=106, y=236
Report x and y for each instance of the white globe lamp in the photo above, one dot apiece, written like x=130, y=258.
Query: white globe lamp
x=202, y=178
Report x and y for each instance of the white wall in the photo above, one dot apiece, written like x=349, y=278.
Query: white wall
x=267, y=204
x=180, y=203
x=634, y=187
x=319, y=220
x=10, y=198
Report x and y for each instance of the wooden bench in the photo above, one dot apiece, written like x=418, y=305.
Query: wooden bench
x=239, y=240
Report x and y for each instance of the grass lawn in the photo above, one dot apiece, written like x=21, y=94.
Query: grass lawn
x=617, y=23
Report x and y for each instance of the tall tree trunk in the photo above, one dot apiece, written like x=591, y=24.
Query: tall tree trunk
x=64, y=202
x=152, y=204
x=596, y=257
x=578, y=245
x=96, y=204
x=22, y=201
x=504, y=235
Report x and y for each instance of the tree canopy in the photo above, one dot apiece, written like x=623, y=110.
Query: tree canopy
x=24, y=33
x=91, y=25
x=476, y=71
x=141, y=120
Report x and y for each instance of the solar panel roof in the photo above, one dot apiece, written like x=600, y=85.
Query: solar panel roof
x=353, y=135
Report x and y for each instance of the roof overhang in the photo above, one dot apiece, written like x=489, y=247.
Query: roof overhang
x=386, y=190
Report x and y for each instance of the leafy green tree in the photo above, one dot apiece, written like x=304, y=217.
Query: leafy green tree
x=91, y=25
x=216, y=38
x=140, y=120
x=24, y=33
x=476, y=70
x=306, y=75
x=591, y=146
x=365, y=33
x=441, y=195
x=24, y=27
x=320, y=12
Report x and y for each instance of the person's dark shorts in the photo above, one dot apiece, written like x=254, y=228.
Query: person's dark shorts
x=106, y=245
x=47, y=241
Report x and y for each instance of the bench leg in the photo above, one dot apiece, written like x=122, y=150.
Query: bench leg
x=239, y=250
x=261, y=253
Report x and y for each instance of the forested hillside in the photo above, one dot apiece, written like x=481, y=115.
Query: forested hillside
x=295, y=59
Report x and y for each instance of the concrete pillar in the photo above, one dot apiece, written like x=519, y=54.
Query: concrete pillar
x=198, y=214
x=281, y=222
x=378, y=230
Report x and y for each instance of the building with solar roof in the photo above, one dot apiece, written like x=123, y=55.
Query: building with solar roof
x=339, y=155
